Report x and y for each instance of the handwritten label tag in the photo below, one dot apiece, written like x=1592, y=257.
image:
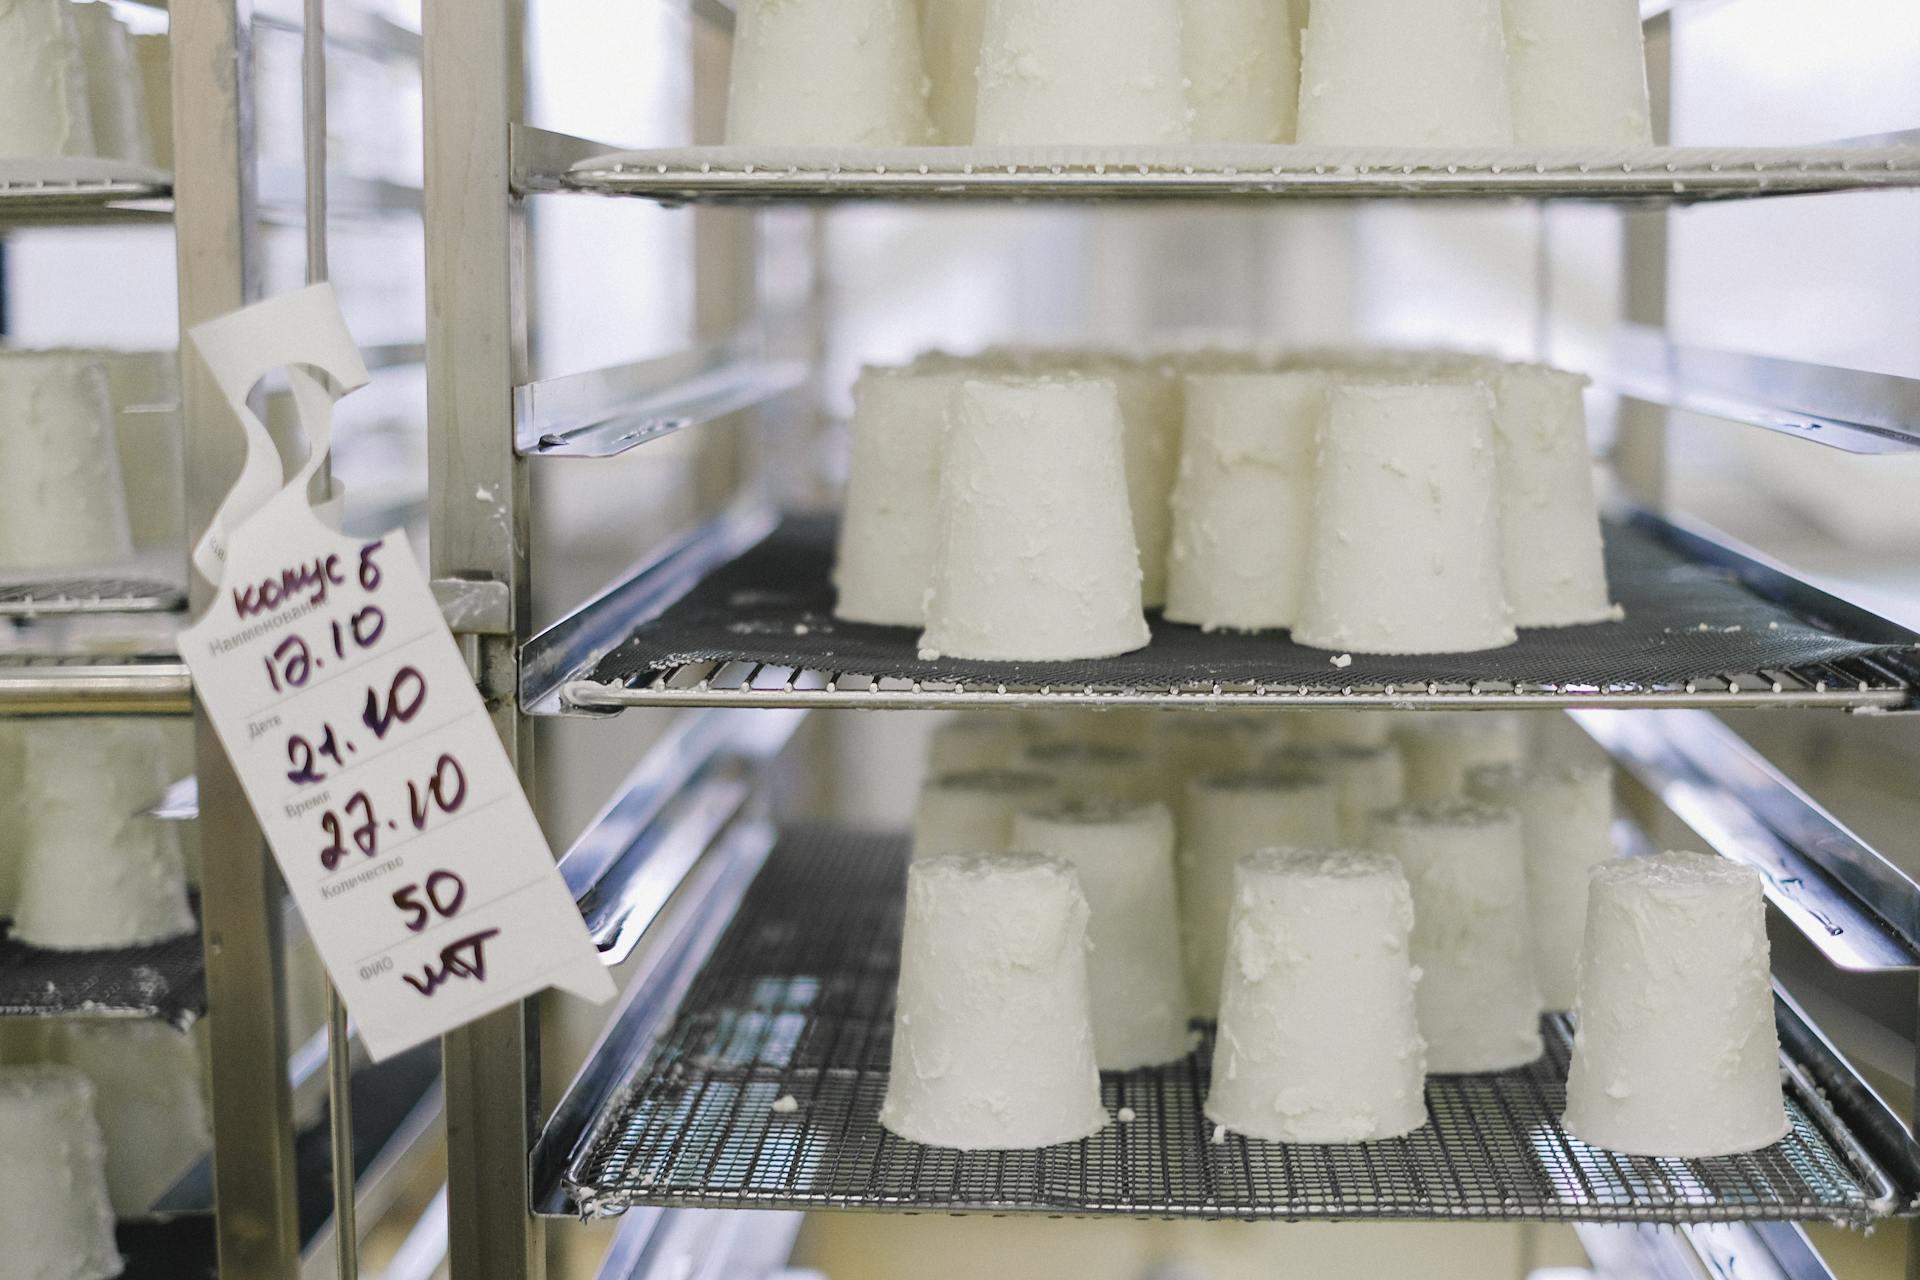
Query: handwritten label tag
x=366, y=752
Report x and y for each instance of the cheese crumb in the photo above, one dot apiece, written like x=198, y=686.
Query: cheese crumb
x=1344, y=661
x=1219, y=1135
x=786, y=1105
x=1126, y=1115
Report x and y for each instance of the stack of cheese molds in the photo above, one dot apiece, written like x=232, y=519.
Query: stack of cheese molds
x=1059, y=925
x=1031, y=505
x=1440, y=73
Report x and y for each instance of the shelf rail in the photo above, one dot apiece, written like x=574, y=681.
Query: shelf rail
x=1847, y=409
x=34, y=685
x=560, y=654
x=688, y=789
x=606, y=412
x=1856, y=907
x=703, y=909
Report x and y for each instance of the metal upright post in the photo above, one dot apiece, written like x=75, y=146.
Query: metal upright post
x=476, y=354
x=1640, y=453
x=215, y=225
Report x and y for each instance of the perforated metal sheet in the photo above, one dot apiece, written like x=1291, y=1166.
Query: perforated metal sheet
x=797, y=1000
x=1692, y=631
x=166, y=980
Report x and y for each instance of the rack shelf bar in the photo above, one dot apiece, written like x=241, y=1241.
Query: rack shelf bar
x=1846, y=409
x=1648, y=175
x=1855, y=906
x=606, y=412
x=60, y=686
x=56, y=597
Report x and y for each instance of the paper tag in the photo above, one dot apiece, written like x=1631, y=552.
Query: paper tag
x=353, y=725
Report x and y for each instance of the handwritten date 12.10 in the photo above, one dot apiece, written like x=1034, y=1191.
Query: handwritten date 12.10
x=442, y=792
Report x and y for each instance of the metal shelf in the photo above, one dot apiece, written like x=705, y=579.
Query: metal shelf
x=32, y=684
x=1707, y=626
x=1860, y=910
x=166, y=980
x=796, y=999
x=85, y=595
x=72, y=189
x=545, y=162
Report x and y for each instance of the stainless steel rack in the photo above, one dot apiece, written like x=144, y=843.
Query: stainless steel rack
x=1706, y=625
x=796, y=1001
x=491, y=417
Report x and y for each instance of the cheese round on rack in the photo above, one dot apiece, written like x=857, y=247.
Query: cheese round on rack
x=1228, y=816
x=1556, y=571
x=827, y=73
x=1578, y=71
x=993, y=1028
x=1566, y=819
x=950, y=32
x=43, y=82
x=114, y=96
x=1442, y=747
x=1035, y=559
x=146, y=1078
x=1367, y=779
x=1093, y=770
x=1184, y=746
x=62, y=504
x=974, y=812
x=1081, y=73
x=1337, y=727
x=1391, y=74
x=1479, y=1006
x=1406, y=552
x=1319, y=1041
x=1676, y=1053
x=1151, y=412
x=973, y=741
x=1243, y=505
x=1243, y=75
x=97, y=871
x=55, y=1215
x=1123, y=854
x=889, y=526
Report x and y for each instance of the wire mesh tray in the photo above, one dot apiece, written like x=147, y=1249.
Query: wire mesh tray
x=797, y=1000
x=78, y=595
x=166, y=980
x=1658, y=174
x=760, y=630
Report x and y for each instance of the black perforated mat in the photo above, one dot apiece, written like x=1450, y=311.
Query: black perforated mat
x=166, y=980
x=1686, y=620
